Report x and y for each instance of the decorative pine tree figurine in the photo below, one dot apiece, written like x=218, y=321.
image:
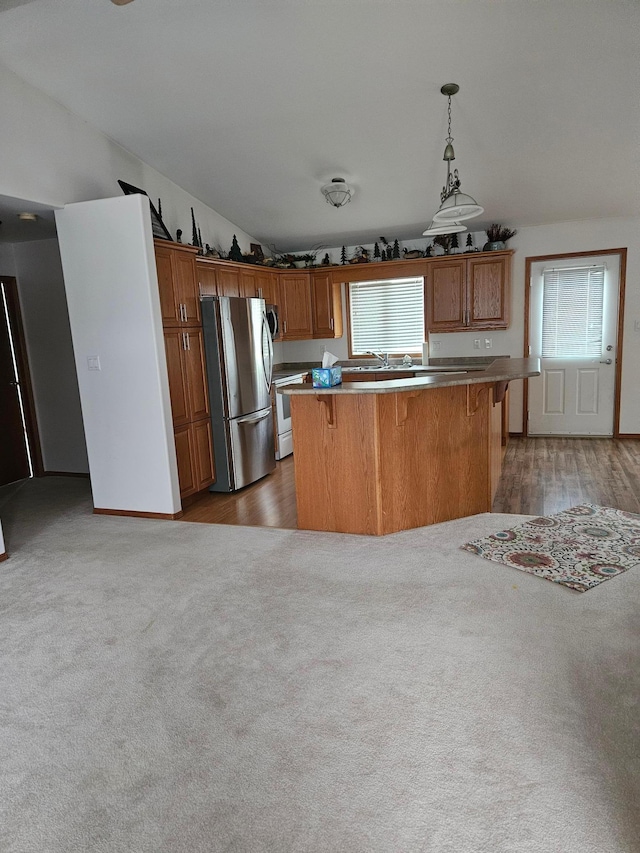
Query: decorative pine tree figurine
x=376, y=252
x=235, y=254
x=343, y=256
x=469, y=243
x=200, y=238
x=396, y=250
x=194, y=230
x=160, y=208
x=454, y=241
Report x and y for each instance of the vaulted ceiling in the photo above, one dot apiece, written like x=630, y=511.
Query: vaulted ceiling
x=252, y=105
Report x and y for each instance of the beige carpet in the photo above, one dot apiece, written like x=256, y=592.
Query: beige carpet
x=185, y=688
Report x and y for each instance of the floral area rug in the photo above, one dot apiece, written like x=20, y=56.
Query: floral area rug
x=579, y=547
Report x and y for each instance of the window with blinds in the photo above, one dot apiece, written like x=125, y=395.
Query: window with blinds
x=572, y=312
x=387, y=315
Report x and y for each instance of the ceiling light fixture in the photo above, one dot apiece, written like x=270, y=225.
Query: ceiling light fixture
x=455, y=206
x=338, y=192
x=28, y=217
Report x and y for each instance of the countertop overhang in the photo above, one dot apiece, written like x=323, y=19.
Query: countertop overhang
x=500, y=370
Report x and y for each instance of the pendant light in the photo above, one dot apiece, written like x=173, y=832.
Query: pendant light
x=455, y=206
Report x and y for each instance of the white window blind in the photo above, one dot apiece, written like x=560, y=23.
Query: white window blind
x=387, y=315
x=572, y=312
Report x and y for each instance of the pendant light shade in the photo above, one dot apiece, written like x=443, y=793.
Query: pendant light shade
x=455, y=206
x=444, y=228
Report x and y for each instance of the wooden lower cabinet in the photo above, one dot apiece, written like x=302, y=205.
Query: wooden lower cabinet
x=194, y=453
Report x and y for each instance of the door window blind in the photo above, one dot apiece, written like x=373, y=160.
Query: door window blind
x=572, y=312
x=387, y=315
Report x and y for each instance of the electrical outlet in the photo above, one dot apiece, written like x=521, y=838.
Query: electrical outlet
x=93, y=362
x=435, y=344
x=476, y=343
x=488, y=343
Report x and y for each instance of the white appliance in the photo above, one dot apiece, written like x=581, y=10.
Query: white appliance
x=283, y=414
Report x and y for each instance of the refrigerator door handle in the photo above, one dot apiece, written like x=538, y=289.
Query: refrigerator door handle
x=266, y=337
x=253, y=419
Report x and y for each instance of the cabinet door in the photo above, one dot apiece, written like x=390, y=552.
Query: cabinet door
x=195, y=373
x=174, y=348
x=488, y=292
x=169, y=306
x=203, y=449
x=185, y=457
x=326, y=305
x=267, y=286
x=186, y=285
x=248, y=286
x=206, y=279
x=228, y=281
x=446, y=295
x=295, y=306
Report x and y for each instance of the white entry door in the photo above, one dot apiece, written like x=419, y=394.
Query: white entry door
x=573, y=326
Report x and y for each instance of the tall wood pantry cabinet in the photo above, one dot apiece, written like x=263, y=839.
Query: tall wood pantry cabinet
x=184, y=347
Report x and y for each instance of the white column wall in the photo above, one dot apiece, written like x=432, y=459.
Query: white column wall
x=114, y=309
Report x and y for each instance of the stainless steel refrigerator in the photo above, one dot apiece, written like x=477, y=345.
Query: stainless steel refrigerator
x=239, y=356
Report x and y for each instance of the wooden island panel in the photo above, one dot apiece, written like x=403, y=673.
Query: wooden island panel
x=377, y=464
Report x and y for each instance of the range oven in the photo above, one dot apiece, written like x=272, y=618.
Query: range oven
x=283, y=415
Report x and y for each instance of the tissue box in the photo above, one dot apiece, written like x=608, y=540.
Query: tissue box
x=326, y=377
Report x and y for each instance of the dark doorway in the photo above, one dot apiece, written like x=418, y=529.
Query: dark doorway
x=20, y=455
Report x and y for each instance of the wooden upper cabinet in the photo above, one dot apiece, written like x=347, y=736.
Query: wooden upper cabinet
x=267, y=286
x=177, y=284
x=228, y=281
x=248, y=286
x=326, y=304
x=445, y=285
x=295, y=306
x=206, y=273
x=467, y=294
x=489, y=286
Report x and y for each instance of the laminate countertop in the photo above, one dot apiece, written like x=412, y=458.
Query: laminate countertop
x=500, y=370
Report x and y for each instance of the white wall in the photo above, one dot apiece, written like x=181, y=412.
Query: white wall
x=2, y=549
x=564, y=237
x=43, y=303
x=56, y=158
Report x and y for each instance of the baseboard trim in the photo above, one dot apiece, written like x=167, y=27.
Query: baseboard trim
x=4, y=556
x=628, y=435
x=167, y=516
x=63, y=474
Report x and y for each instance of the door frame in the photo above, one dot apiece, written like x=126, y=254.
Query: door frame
x=529, y=262
x=24, y=374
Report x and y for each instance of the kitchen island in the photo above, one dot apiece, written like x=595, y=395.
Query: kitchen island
x=379, y=457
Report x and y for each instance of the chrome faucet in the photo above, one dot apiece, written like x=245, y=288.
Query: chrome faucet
x=384, y=357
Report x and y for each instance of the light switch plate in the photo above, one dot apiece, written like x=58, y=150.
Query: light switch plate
x=93, y=362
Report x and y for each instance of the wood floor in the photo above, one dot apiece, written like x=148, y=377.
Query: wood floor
x=539, y=476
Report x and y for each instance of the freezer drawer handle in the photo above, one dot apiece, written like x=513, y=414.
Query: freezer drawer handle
x=254, y=419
